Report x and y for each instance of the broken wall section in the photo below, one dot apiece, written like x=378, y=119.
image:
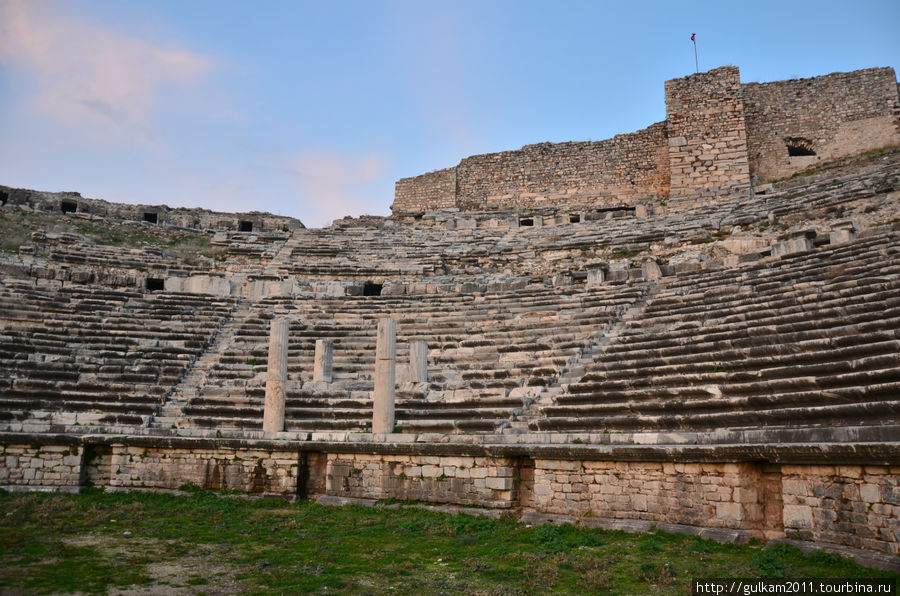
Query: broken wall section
x=794, y=124
x=428, y=192
x=611, y=173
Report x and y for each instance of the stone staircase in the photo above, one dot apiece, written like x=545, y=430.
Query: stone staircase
x=797, y=343
x=171, y=414
x=529, y=419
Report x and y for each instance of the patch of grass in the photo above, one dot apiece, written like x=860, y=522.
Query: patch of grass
x=16, y=227
x=92, y=542
x=844, y=161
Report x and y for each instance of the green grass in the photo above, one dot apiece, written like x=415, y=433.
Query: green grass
x=16, y=227
x=204, y=542
x=859, y=158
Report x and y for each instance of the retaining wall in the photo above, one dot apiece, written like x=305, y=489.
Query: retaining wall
x=850, y=503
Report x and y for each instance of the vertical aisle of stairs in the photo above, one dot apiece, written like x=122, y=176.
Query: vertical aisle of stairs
x=279, y=263
x=171, y=414
x=577, y=367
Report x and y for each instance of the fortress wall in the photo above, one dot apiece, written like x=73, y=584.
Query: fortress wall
x=716, y=133
x=835, y=115
x=434, y=190
x=707, y=135
x=614, y=172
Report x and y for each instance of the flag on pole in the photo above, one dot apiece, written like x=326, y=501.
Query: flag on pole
x=696, y=60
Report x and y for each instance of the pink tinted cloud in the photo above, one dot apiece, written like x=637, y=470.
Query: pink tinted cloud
x=97, y=80
x=332, y=185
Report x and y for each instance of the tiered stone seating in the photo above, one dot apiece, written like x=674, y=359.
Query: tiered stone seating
x=807, y=340
x=71, y=251
x=259, y=246
x=92, y=356
x=489, y=356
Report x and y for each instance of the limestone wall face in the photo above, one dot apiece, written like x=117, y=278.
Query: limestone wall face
x=254, y=471
x=719, y=495
x=613, y=172
x=432, y=191
x=486, y=482
x=838, y=114
x=707, y=135
x=40, y=465
x=858, y=506
x=851, y=505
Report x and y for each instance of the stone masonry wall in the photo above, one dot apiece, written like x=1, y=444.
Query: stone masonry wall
x=858, y=506
x=716, y=133
x=431, y=191
x=610, y=173
x=707, y=135
x=851, y=505
x=254, y=471
x=486, y=482
x=839, y=114
x=40, y=465
x=717, y=495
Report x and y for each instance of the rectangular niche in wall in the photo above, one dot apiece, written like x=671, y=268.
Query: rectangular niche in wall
x=68, y=206
x=150, y=217
x=155, y=284
x=372, y=289
x=245, y=226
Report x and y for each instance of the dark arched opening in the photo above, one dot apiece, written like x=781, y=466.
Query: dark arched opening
x=798, y=146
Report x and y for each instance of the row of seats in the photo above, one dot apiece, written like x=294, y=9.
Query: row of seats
x=87, y=355
x=487, y=355
x=809, y=340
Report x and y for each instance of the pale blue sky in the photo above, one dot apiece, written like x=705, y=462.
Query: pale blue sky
x=314, y=110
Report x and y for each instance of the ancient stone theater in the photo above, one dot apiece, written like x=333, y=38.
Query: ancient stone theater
x=693, y=327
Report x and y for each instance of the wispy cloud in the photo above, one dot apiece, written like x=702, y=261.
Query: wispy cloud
x=438, y=72
x=100, y=81
x=332, y=185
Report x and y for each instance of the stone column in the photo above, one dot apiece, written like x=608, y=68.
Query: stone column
x=418, y=361
x=385, y=376
x=276, y=376
x=324, y=356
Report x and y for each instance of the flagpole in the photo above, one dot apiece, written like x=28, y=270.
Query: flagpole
x=696, y=61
